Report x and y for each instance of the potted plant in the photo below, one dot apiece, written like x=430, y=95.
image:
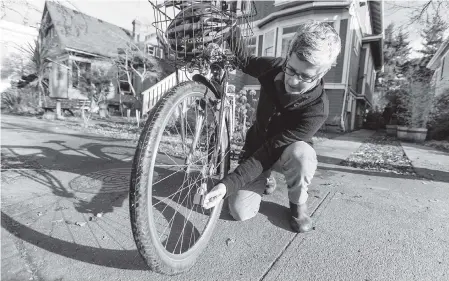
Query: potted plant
x=392, y=111
x=392, y=125
x=418, y=102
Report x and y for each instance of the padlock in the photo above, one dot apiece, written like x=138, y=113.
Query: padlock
x=198, y=198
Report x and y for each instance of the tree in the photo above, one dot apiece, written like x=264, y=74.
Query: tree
x=420, y=10
x=432, y=35
x=39, y=54
x=96, y=82
x=133, y=61
x=16, y=64
x=390, y=81
x=417, y=100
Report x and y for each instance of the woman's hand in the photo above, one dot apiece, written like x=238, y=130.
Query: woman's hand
x=214, y=196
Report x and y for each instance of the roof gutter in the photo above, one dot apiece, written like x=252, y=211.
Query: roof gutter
x=86, y=53
x=346, y=82
x=305, y=7
x=433, y=62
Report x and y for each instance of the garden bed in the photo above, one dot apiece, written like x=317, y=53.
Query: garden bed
x=381, y=153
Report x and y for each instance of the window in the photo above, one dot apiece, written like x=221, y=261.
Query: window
x=373, y=80
x=357, y=44
x=75, y=75
x=150, y=50
x=155, y=51
x=268, y=48
x=78, y=69
x=252, y=45
x=50, y=31
x=241, y=7
x=287, y=35
x=285, y=43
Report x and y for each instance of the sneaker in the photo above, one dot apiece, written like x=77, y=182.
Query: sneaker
x=270, y=185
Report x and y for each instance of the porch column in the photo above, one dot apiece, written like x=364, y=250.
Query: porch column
x=69, y=72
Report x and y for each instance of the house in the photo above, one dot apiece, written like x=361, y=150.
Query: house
x=153, y=47
x=77, y=42
x=440, y=64
x=350, y=83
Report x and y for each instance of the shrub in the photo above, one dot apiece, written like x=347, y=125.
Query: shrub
x=439, y=123
x=21, y=101
x=440, y=131
x=374, y=121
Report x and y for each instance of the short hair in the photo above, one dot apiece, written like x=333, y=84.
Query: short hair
x=316, y=42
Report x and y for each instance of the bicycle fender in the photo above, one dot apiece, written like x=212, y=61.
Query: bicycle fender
x=209, y=84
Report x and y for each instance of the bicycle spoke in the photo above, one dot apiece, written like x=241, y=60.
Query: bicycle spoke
x=166, y=205
x=177, y=208
x=179, y=190
x=167, y=177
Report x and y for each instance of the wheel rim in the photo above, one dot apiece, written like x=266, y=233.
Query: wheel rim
x=179, y=224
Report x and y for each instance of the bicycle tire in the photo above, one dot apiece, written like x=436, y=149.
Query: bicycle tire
x=140, y=200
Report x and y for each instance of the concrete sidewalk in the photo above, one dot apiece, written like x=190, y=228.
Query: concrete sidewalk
x=333, y=151
x=369, y=225
x=428, y=162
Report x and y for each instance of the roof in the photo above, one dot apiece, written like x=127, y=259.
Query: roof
x=81, y=32
x=434, y=63
x=376, y=42
x=376, y=9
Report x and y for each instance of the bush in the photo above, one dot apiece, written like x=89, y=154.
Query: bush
x=439, y=124
x=374, y=121
x=21, y=101
x=439, y=131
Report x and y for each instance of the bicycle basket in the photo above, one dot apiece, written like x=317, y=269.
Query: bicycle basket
x=185, y=29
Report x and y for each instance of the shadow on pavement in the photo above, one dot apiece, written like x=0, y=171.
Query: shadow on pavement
x=28, y=128
x=277, y=214
x=434, y=175
x=104, y=200
x=122, y=259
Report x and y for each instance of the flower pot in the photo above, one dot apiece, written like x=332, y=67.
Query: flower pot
x=392, y=130
x=417, y=134
x=402, y=133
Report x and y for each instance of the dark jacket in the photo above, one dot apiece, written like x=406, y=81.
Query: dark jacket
x=281, y=119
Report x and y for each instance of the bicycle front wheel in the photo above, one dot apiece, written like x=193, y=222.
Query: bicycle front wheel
x=178, y=156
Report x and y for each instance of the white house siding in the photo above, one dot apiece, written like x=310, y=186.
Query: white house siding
x=441, y=75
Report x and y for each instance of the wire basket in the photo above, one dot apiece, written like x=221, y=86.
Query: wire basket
x=194, y=33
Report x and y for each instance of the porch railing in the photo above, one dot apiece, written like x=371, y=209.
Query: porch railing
x=153, y=94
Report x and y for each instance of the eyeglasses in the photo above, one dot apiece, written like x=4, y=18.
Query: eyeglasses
x=291, y=72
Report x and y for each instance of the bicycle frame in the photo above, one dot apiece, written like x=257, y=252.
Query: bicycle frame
x=223, y=103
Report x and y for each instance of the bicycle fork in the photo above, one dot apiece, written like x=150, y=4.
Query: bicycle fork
x=208, y=170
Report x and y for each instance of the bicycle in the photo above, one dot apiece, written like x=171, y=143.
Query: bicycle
x=186, y=137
